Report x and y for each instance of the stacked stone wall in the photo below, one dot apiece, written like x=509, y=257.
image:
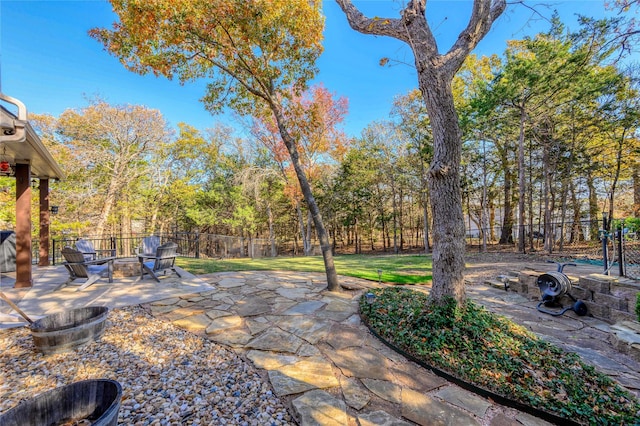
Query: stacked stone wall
x=608, y=298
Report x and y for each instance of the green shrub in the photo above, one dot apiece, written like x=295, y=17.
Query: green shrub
x=632, y=223
x=638, y=306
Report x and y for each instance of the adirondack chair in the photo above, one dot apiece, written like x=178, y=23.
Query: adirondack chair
x=89, y=252
x=149, y=245
x=79, y=267
x=157, y=264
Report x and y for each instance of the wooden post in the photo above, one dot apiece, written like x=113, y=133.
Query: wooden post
x=45, y=221
x=23, y=226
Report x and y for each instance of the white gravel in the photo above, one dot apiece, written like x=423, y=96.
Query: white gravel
x=169, y=376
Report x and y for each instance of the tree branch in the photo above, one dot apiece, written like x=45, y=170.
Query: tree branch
x=391, y=27
x=484, y=13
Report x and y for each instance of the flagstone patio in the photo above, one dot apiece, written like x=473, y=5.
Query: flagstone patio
x=316, y=353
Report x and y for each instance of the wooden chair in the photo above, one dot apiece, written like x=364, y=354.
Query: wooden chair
x=89, y=252
x=157, y=264
x=79, y=267
x=149, y=245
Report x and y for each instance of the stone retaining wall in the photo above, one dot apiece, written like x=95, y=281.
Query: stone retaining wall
x=608, y=298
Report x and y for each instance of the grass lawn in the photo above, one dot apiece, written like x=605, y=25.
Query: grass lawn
x=397, y=269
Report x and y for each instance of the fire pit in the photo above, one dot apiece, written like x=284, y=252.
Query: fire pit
x=88, y=402
x=65, y=331
x=126, y=267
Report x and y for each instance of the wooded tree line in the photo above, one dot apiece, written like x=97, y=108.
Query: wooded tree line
x=549, y=130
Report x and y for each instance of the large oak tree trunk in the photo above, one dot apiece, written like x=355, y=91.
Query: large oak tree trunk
x=435, y=73
x=444, y=188
x=424, y=201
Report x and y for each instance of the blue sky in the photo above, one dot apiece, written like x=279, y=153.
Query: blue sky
x=48, y=61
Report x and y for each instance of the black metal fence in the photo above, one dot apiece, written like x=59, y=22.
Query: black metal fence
x=562, y=237
x=567, y=238
x=615, y=251
x=584, y=240
x=630, y=255
x=192, y=245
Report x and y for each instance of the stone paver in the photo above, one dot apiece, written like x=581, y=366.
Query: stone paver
x=252, y=306
x=502, y=420
x=355, y=395
x=163, y=309
x=380, y=418
x=285, y=385
x=384, y=389
x=306, y=373
x=277, y=340
x=217, y=313
x=361, y=362
x=308, y=328
x=526, y=419
x=194, y=322
x=231, y=282
x=318, y=408
x=417, y=378
x=465, y=399
x=318, y=354
x=166, y=302
x=343, y=336
x=235, y=338
x=304, y=308
x=427, y=411
x=257, y=325
x=293, y=293
x=221, y=324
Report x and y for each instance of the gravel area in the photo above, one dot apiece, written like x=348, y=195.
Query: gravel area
x=169, y=376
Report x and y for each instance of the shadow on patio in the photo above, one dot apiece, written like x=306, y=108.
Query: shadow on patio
x=41, y=299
